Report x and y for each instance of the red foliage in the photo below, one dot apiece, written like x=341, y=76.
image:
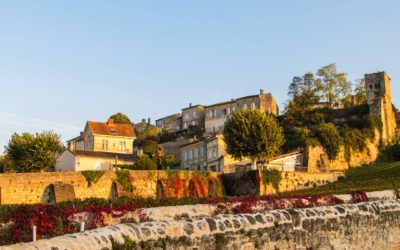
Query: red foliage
x=53, y=220
x=359, y=196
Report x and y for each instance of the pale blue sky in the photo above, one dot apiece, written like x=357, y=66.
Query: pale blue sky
x=65, y=62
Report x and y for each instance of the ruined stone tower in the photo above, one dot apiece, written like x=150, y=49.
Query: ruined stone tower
x=380, y=103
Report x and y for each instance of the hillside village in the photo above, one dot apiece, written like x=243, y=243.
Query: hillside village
x=196, y=142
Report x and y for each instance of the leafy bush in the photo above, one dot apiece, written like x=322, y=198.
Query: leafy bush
x=92, y=176
x=123, y=178
x=393, y=152
x=144, y=162
x=329, y=137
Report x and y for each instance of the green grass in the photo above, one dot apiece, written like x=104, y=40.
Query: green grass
x=380, y=176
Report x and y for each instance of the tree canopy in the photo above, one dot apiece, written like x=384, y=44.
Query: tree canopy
x=334, y=85
x=121, y=118
x=33, y=152
x=252, y=133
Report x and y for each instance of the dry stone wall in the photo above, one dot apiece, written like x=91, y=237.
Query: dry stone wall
x=317, y=159
x=370, y=225
x=31, y=188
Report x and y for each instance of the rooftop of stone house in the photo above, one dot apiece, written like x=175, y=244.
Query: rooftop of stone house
x=111, y=129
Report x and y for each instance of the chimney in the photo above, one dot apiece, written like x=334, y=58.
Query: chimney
x=148, y=120
x=143, y=120
x=190, y=104
x=110, y=122
x=261, y=91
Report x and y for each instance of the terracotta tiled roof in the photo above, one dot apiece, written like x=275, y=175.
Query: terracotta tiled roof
x=111, y=128
x=100, y=154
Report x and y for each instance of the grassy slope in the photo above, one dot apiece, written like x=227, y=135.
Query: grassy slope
x=381, y=176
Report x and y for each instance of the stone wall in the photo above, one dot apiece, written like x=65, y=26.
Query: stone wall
x=370, y=225
x=254, y=182
x=60, y=186
x=317, y=160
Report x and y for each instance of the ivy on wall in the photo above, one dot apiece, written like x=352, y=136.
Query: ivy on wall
x=124, y=180
x=92, y=176
x=272, y=177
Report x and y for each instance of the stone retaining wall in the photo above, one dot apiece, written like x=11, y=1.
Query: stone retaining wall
x=370, y=225
x=29, y=188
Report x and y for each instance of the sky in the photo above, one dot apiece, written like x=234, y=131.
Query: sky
x=63, y=63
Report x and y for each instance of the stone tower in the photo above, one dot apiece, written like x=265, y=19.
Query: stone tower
x=380, y=103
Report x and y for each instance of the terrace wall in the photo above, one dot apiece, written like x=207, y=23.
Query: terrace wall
x=370, y=225
x=46, y=187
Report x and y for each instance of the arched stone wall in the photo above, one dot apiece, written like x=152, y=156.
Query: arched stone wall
x=160, y=192
x=212, y=190
x=49, y=195
x=114, y=191
x=57, y=193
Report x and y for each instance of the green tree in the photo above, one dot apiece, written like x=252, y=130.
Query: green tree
x=33, y=152
x=360, y=92
x=194, y=132
x=144, y=162
x=121, y=118
x=329, y=137
x=300, y=109
x=251, y=133
x=334, y=85
x=148, y=140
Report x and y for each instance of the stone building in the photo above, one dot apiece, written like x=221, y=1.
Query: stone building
x=379, y=99
x=143, y=125
x=193, y=116
x=194, y=155
x=217, y=114
x=99, y=144
x=207, y=154
x=171, y=123
x=81, y=160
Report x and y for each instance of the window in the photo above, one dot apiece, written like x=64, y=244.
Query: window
x=213, y=113
x=229, y=111
x=105, y=144
x=186, y=116
x=186, y=155
x=225, y=111
x=193, y=123
x=201, y=152
x=253, y=105
x=190, y=155
x=194, y=114
x=122, y=146
x=185, y=125
x=244, y=106
x=196, y=153
x=213, y=129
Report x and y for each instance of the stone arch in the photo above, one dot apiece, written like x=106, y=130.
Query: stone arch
x=114, y=191
x=212, y=192
x=160, y=190
x=49, y=195
x=193, y=192
x=57, y=193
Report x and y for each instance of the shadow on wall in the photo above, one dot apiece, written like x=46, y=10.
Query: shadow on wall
x=58, y=193
x=114, y=191
x=241, y=183
x=160, y=190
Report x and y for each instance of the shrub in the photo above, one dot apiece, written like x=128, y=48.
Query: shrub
x=144, y=162
x=393, y=152
x=92, y=176
x=123, y=178
x=330, y=139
